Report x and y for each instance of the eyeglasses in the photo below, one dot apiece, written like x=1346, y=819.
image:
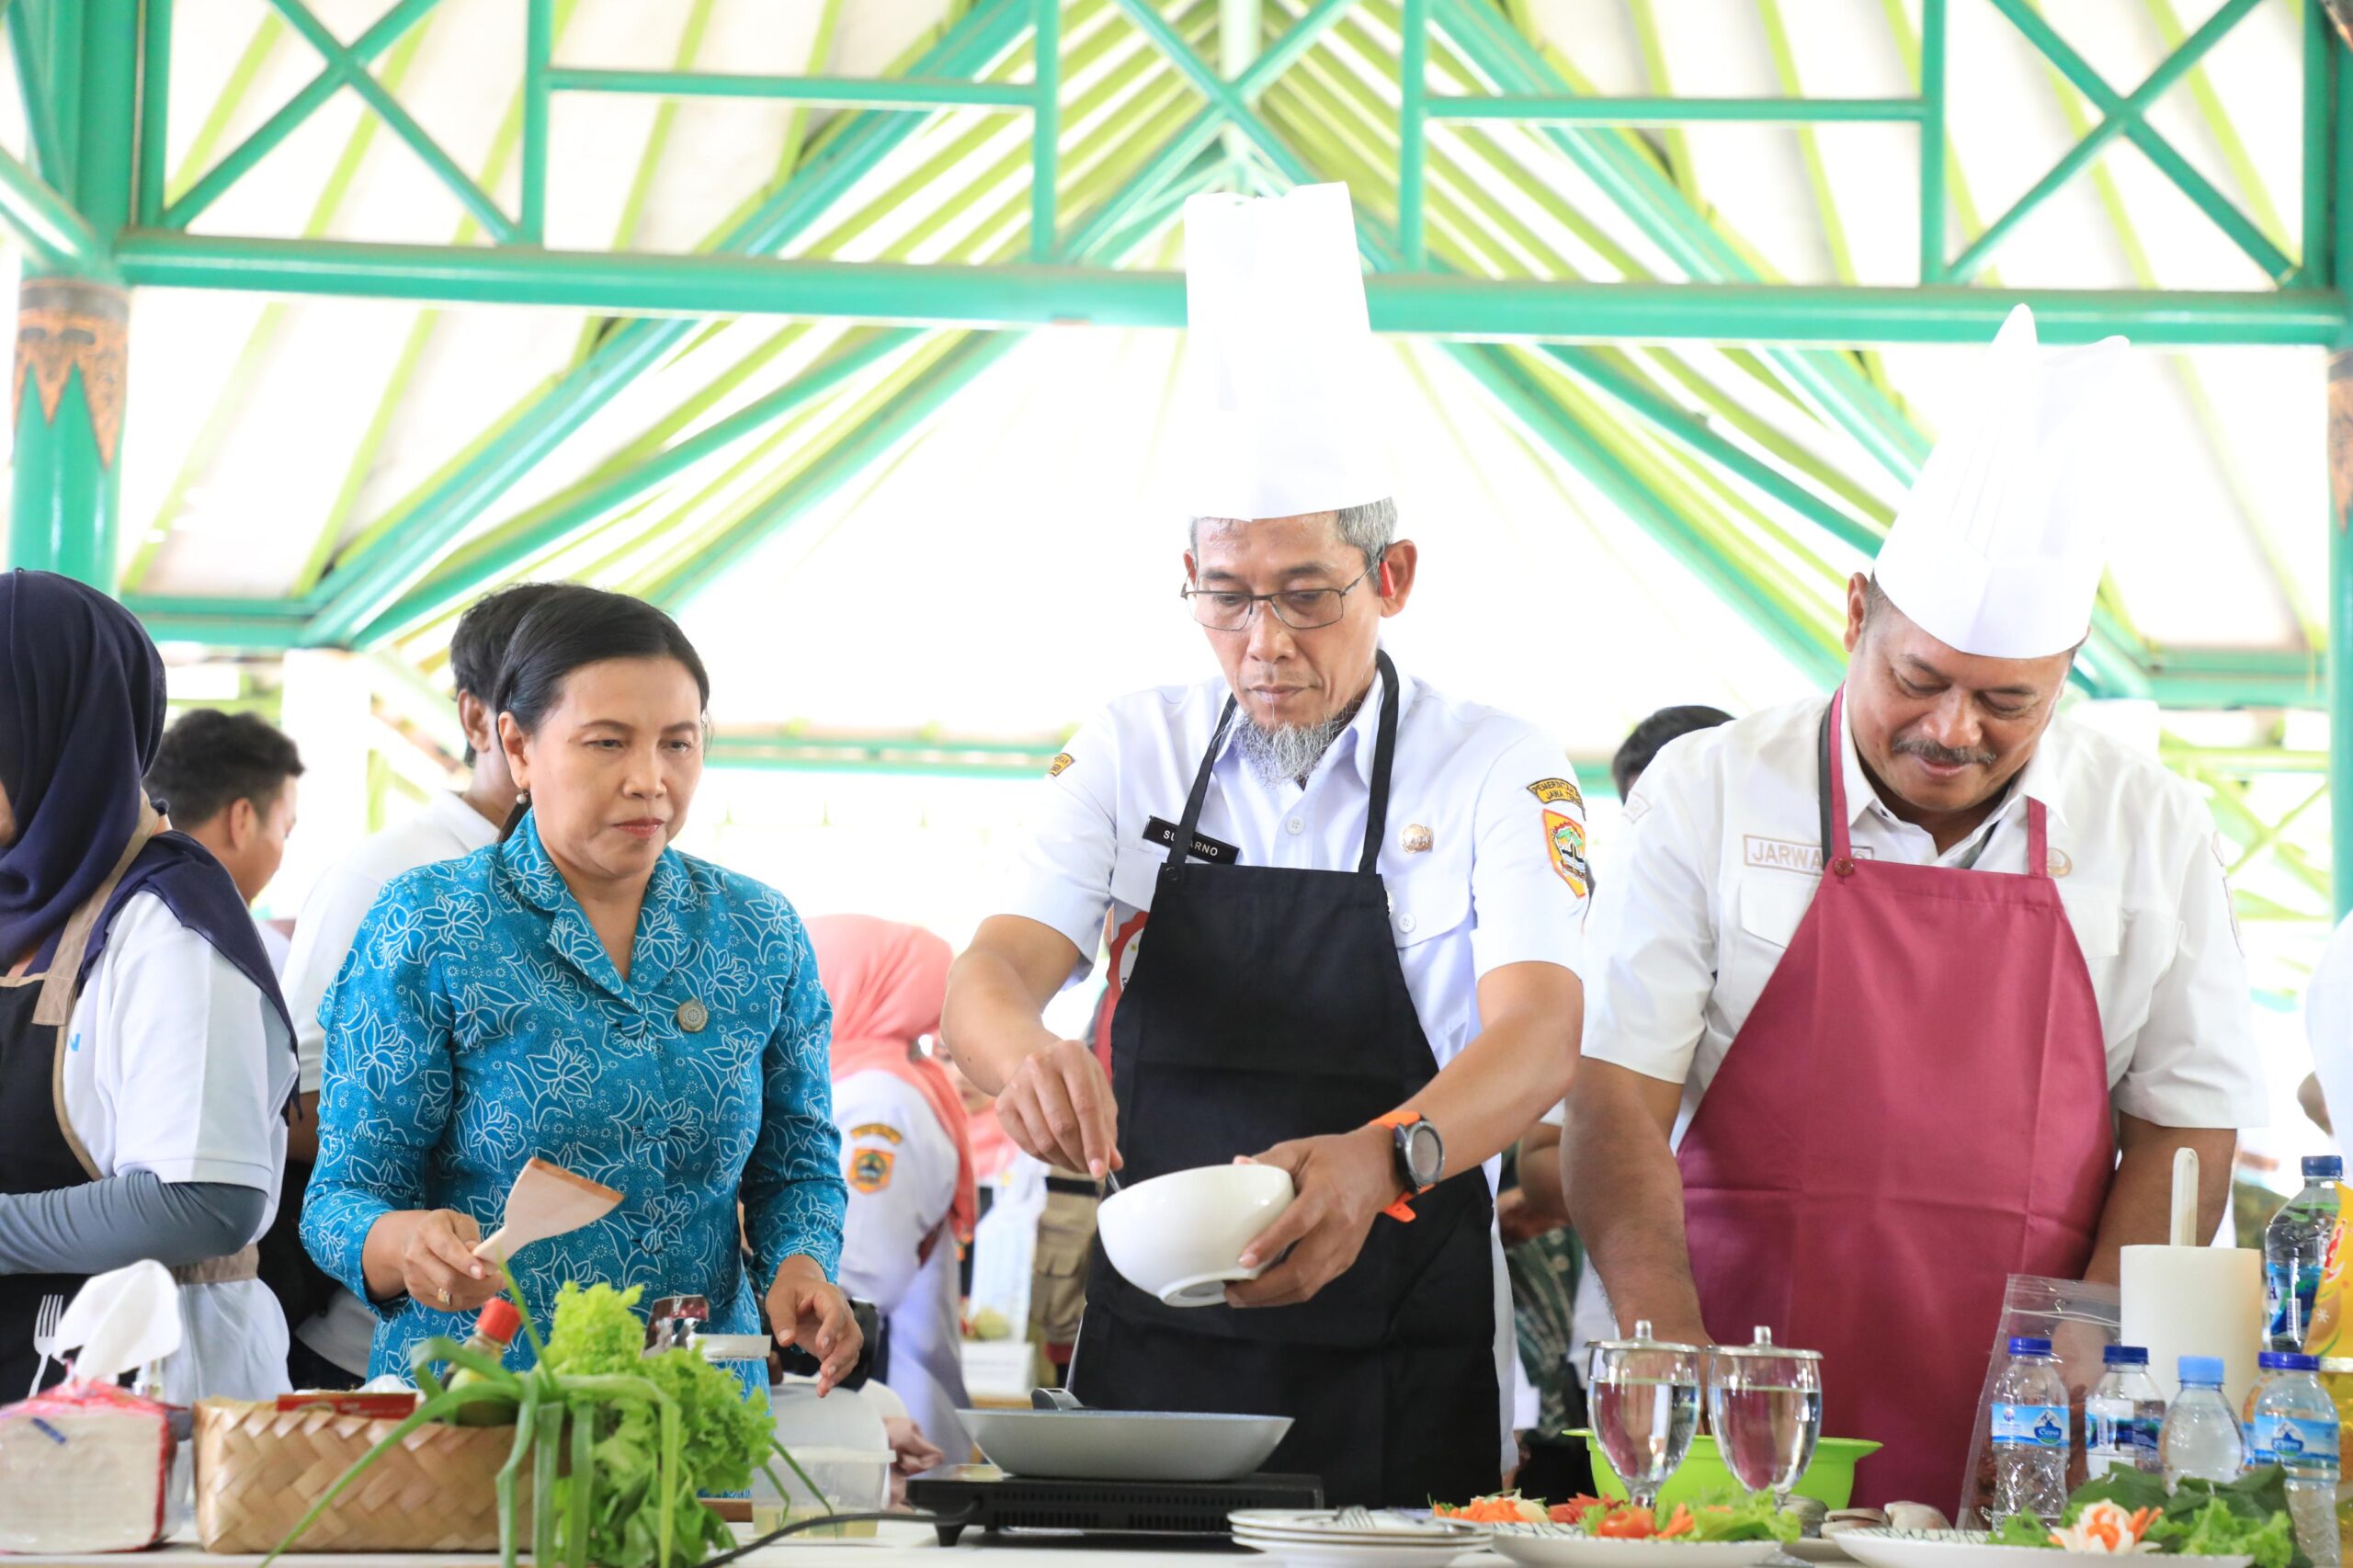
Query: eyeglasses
x=1302, y=609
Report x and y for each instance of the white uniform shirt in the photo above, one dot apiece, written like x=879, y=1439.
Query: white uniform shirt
x=901, y=1166
x=1719, y=853
x=175, y=1065
x=1488, y=891
x=2328, y=1026
x=444, y=829
x=1503, y=879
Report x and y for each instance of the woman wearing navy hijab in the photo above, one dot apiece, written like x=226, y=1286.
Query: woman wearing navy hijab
x=145, y=1057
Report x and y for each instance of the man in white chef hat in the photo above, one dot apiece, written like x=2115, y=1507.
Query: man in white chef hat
x=1907, y=991
x=1346, y=907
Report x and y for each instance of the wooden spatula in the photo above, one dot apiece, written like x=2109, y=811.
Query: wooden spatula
x=546, y=1201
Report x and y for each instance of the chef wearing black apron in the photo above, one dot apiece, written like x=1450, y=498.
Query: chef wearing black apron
x=1343, y=942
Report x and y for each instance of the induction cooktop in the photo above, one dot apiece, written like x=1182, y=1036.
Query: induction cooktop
x=979, y=1496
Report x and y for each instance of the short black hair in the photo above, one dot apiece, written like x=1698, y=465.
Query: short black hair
x=572, y=627
x=1653, y=733
x=478, y=648
x=209, y=760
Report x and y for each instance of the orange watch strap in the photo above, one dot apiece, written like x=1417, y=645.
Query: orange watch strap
x=1402, y=1210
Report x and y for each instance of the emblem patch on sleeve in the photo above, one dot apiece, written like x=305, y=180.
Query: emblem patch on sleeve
x=1054, y=769
x=869, y=1169
x=1565, y=840
x=1551, y=789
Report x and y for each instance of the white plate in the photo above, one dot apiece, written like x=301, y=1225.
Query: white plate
x=1810, y=1549
x=1356, y=1555
x=1559, y=1546
x=1124, y=1445
x=1971, y=1548
x=1380, y=1527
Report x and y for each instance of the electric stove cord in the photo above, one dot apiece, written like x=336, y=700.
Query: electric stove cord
x=823, y=1521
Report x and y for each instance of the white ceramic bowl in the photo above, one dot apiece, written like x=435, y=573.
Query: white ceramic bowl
x=1180, y=1236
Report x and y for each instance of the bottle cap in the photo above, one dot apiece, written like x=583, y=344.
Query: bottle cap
x=2203, y=1370
x=499, y=1320
x=2125, y=1355
x=2287, y=1361
x=2022, y=1346
x=2323, y=1168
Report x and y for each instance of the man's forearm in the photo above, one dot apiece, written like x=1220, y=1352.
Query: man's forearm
x=991, y=1021
x=1625, y=1198
x=2139, y=1211
x=1518, y=1068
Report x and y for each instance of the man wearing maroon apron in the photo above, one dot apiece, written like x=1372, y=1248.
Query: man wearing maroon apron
x=1349, y=915
x=1921, y=985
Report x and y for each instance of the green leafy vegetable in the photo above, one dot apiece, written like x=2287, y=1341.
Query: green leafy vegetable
x=2247, y=1517
x=2023, y=1529
x=1745, y=1517
x=2216, y=1530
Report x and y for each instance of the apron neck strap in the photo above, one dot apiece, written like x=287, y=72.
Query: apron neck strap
x=1832, y=794
x=1384, y=754
x=2037, y=840
x=55, y=1007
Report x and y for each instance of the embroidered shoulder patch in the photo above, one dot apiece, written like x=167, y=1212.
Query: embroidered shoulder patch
x=1565, y=840
x=876, y=1130
x=1054, y=769
x=869, y=1169
x=1551, y=789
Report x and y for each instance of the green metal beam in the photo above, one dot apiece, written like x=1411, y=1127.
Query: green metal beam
x=154, y=105
x=1413, y=135
x=2339, y=151
x=1046, y=129
x=60, y=240
x=1682, y=112
x=1019, y=294
x=833, y=92
x=48, y=149
x=239, y=160
x=360, y=588
x=2126, y=116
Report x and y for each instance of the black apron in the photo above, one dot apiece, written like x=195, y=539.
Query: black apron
x=1266, y=1004
x=37, y=1153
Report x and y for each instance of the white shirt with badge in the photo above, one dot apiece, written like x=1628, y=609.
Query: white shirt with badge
x=1719, y=852
x=177, y=1066
x=443, y=829
x=1484, y=858
x=900, y=1168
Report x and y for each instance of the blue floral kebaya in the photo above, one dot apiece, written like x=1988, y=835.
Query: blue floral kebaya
x=477, y=1022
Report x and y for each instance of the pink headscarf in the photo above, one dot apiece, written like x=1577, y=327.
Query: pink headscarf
x=887, y=983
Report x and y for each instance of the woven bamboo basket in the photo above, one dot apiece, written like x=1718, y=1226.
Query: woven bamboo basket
x=258, y=1470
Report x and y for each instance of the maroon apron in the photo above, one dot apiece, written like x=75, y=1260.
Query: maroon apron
x=1916, y=1108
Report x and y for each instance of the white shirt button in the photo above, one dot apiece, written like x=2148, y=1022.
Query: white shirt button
x=1405, y=922
x=1295, y=826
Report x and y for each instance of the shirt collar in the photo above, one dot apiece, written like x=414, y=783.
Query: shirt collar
x=537, y=883
x=452, y=812
x=2037, y=780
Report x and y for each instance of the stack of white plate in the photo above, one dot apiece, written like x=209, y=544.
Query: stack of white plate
x=1355, y=1538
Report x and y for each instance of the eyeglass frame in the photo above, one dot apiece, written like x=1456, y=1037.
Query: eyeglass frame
x=1252, y=601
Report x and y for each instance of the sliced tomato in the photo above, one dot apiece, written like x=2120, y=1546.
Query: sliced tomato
x=1575, y=1509
x=1626, y=1524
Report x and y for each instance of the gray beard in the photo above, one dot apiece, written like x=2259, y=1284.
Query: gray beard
x=1289, y=752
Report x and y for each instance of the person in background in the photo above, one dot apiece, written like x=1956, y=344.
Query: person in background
x=227, y=781
x=145, y=1058
x=912, y=1197
x=1646, y=740
x=333, y=1328
x=585, y=993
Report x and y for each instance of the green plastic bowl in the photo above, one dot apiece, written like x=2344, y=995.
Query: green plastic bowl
x=1829, y=1479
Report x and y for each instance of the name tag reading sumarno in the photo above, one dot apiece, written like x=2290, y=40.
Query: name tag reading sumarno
x=1164, y=833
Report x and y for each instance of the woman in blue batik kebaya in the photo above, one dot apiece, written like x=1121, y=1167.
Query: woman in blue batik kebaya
x=583, y=992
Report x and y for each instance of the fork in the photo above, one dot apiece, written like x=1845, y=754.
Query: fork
x=45, y=1326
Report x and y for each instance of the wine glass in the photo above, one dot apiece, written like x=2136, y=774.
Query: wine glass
x=1765, y=1405
x=1645, y=1407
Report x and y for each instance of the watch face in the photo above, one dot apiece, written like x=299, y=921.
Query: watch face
x=1424, y=1153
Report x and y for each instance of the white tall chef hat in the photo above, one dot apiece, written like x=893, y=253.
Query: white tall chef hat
x=1281, y=417
x=1998, y=550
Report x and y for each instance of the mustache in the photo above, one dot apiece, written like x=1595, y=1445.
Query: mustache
x=1943, y=756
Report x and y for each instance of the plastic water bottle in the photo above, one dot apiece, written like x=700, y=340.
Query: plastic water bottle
x=2295, y=1250
x=2201, y=1436
x=2123, y=1416
x=2030, y=1434
x=2295, y=1427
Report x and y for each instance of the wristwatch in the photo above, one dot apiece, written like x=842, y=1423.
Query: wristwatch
x=1421, y=1158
